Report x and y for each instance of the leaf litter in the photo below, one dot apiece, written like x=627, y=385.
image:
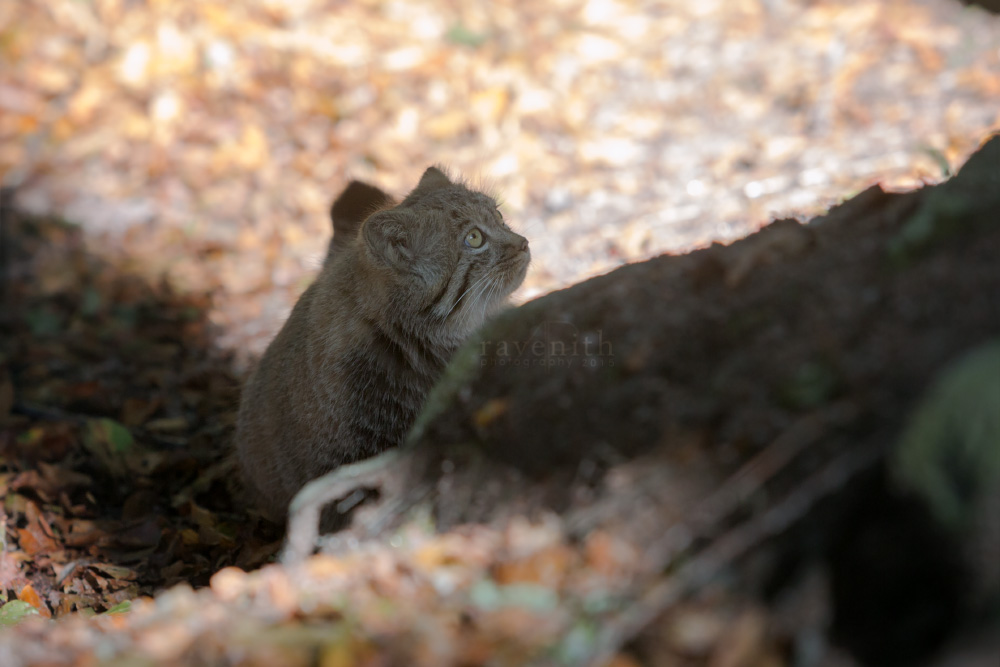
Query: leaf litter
x=208, y=140
x=115, y=481
x=202, y=171
x=104, y=509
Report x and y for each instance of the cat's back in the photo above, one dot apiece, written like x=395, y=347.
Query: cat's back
x=297, y=403
x=275, y=412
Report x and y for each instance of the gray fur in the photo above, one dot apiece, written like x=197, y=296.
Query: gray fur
x=346, y=375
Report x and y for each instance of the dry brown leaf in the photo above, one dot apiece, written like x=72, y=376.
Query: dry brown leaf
x=11, y=576
x=36, y=537
x=136, y=410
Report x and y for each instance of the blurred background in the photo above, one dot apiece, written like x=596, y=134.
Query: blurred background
x=204, y=141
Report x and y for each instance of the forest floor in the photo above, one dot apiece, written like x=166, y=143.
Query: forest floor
x=115, y=411
x=198, y=147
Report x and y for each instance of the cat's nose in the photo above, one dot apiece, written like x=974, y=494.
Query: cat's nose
x=524, y=245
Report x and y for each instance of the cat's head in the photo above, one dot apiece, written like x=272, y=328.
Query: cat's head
x=447, y=252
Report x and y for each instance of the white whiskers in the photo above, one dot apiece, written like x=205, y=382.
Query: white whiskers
x=459, y=299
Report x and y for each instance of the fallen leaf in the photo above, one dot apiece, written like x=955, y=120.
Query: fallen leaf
x=29, y=595
x=111, y=443
x=11, y=576
x=120, y=608
x=135, y=411
x=16, y=611
x=115, y=571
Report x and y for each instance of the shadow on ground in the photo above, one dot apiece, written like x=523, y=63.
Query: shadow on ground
x=115, y=415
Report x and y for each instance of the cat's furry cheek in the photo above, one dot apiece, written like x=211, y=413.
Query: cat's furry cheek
x=428, y=274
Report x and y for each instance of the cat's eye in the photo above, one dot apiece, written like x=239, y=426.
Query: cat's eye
x=474, y=239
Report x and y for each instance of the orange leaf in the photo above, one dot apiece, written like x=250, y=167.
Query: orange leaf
x=34, y=538
x=28, y=594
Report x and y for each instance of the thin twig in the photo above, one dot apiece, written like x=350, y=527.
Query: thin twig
x=708, y=515
x=722, y=552
x=732, y=495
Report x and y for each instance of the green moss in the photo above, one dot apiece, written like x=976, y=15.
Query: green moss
x=942, y=216
x=950, y=451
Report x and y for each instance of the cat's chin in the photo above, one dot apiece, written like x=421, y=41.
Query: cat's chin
x=515, y=270
x=516, y=279
x=471, y=321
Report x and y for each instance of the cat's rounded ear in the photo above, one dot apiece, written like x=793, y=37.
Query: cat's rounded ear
x=387, y=235
x=432, y=179
x=355, y=203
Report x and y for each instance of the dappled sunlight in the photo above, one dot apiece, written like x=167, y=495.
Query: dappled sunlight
x=209, y=139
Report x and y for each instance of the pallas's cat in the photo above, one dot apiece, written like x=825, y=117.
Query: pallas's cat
x=401, y=288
